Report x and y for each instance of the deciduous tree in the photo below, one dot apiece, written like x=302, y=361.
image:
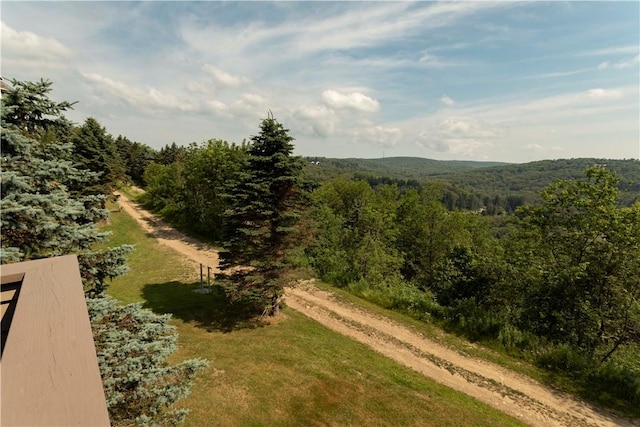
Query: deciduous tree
x=584, y=264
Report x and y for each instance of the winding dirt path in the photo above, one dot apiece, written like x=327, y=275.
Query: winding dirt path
x=505, y=390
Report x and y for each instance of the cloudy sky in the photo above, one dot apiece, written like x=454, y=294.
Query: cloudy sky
x=500, y=81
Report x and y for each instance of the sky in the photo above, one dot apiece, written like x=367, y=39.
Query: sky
x=487, y=81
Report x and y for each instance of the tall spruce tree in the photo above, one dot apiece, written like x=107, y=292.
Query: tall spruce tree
x=135, y=157
x=265, y=208
x=95, y=150
x=40, y=215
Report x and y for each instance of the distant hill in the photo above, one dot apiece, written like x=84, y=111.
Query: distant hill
x=406, y=168
x=528, y=179
x=470, y=184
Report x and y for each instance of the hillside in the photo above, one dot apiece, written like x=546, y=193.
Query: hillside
x=402, y=168
x=476, y=183
x=528, y=179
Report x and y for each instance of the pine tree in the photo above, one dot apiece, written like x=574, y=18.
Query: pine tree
x=265, y=208
x=135, y=157
x=95, y=150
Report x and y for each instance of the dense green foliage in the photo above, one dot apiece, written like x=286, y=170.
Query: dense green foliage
x=581, y=274
x=558, y=282
x=41, y=215
x=51, y=206
x=407, y=168
x=492, y=187
x=264, y=207
x=191, y=189
x=509, y=186
x=135, y=158
x=95, y=150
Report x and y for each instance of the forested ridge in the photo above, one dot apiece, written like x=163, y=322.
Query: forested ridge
x=539, y=260
x=496, y=187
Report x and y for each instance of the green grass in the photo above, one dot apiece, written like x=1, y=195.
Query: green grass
x=290, y=372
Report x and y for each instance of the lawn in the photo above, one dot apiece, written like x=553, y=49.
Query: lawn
x=290, y=372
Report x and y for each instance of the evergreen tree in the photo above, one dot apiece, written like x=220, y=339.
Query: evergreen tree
x=132, y=345
x=95, y=150
x=171, y=153
x=265, y=208
x=40, y=215
x=135, y=158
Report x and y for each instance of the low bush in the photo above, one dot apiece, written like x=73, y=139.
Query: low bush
x=132, y=345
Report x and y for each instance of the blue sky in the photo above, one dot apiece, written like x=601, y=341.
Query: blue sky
x=500, y=81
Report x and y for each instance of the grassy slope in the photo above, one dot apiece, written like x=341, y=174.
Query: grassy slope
x=293, y=372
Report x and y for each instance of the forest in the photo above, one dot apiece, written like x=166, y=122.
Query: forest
x=538, y=260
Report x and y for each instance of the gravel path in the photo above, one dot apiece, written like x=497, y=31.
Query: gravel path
x=505, y=390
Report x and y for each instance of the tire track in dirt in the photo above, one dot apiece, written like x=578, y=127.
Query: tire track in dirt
x=503, y=389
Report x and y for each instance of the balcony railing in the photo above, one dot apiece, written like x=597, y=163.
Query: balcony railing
x=48, y=365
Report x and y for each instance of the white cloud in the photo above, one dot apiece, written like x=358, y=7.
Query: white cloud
x=559, y=74
x=454, y=127
x=459, y=137
x=614, y=50
x=252, y=99
x=542, y=148
x=432, y=61
x=199, y=87
x=225, y=79
x=27, y=48
x=315, y=120
x=620, y=64
x=350, y=100
x=379, y=135
x=604, y=93
x=628, y=63
x=149, y=100
x=446, y=100
x=328, y=29
x=218, y=108
x=250, y=105
x=466, y=147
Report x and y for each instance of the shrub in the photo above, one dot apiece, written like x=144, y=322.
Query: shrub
x=132, y=345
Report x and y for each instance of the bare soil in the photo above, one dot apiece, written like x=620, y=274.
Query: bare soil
x=501, y=388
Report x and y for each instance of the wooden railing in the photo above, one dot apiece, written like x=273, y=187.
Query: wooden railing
x=48, y=367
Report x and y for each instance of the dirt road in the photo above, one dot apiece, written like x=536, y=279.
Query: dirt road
x=510, y=392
